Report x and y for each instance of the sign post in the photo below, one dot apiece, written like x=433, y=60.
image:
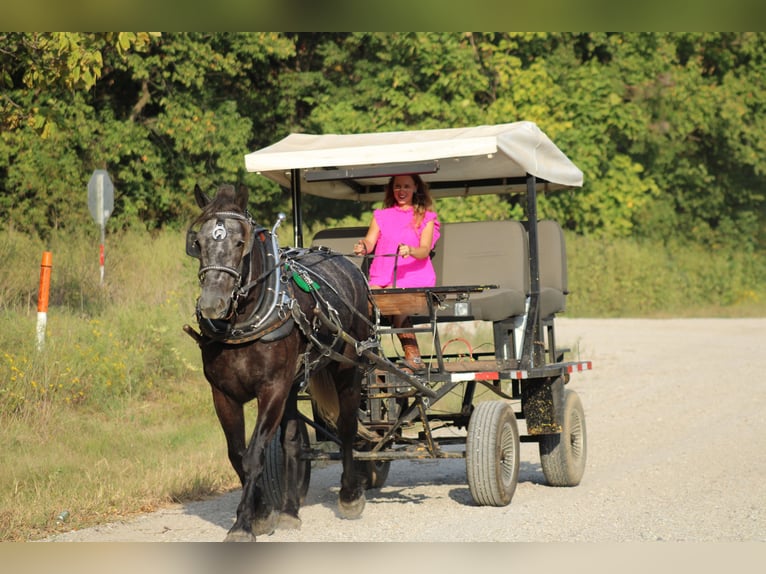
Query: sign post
x=101, y=205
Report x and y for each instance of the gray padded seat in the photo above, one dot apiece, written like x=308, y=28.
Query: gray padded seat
x=486, y=253
x=553, y=268
x=342, y=240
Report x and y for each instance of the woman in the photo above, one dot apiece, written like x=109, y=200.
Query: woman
x=403, y=234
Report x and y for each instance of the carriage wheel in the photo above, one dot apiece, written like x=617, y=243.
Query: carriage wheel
x=562, y=456
x=492, y=453
x=273, y=468
x=375, y=472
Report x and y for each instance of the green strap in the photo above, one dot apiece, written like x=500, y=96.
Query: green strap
x=304, y=283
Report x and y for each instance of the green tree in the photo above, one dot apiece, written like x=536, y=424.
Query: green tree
x=668, y=128
x=160, y=113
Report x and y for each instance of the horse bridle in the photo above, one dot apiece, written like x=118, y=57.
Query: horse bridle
x=219, y=234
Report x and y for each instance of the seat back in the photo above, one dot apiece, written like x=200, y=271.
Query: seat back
x=483, y=252
x=553, y=267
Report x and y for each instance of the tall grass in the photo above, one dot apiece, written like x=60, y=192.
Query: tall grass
x=113, y=415
x=619, y=278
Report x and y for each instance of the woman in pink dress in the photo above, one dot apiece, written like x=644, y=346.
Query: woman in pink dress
x=408, y=228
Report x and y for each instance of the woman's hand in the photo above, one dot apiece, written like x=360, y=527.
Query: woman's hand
x=360, y=247
x=419, y=251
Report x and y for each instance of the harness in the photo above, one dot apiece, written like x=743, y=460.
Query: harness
x=276, y=312
x=268, y=318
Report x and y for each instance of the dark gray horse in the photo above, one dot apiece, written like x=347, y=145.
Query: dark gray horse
x=270, y=320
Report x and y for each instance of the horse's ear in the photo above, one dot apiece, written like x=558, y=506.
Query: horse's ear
x=199, y=195
x=242, y=193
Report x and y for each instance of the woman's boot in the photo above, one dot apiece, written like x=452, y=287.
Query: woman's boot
x=409, y=341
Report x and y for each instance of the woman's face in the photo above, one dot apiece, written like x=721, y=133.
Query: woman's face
x=404, y=188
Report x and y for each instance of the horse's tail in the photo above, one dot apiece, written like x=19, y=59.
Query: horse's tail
x=325, y=395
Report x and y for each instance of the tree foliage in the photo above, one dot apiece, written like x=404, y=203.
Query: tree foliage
x=668, y=128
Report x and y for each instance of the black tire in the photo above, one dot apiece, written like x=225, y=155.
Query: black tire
x=492, y=453
x=273, y=466
x=563, y=456
x=375, y=472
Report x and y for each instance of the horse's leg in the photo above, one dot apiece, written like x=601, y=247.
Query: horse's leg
x=291, y=448
x=351, y=499
x=232, y=418
x=253, y=508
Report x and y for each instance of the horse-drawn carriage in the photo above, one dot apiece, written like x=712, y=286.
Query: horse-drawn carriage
x=509, y=275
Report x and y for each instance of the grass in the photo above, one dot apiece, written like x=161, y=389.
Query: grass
x=103, y=465
x=621, y=278
x=113, y=415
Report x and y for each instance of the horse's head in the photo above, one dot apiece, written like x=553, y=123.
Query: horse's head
x=221, y=243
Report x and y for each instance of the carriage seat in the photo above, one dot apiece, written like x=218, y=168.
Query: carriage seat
x=467, y=253
x=553, y=268
x=342, y=240
x=486, y=253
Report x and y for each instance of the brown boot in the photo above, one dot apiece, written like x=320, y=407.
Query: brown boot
x=412, y=359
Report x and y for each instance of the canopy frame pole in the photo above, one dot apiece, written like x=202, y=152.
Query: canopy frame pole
x=533, y=353
x=295, y=189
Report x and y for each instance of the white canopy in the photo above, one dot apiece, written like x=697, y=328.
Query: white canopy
x=457, y=161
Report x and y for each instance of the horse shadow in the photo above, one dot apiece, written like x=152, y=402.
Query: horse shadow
x=401, y=487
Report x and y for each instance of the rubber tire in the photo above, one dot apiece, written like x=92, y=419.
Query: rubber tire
x=492, y=453
x=563, y=456
x=271, y=479
x=375, y=472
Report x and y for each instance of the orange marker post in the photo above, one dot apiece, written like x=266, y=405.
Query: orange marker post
x=42, y=297
x=101, y=255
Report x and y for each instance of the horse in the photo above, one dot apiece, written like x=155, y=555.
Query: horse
x=272, y=321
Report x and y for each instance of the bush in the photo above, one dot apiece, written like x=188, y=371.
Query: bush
x=622, y=277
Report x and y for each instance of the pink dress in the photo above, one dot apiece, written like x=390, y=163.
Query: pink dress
x=396, y=227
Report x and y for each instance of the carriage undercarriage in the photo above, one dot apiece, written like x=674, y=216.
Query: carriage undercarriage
x=464, y=406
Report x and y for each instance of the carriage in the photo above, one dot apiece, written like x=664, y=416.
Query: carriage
x=509, y=277
x=510, y=274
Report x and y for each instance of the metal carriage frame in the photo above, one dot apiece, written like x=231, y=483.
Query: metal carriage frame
x=398, y=419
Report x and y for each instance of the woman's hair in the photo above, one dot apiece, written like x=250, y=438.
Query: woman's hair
x=421, y=198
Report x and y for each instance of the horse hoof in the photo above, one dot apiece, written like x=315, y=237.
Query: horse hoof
x=239, y=536
x=265, y=525
x=351, y=509
x=289, y=522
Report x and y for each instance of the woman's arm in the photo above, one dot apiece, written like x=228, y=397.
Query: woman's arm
x=364, y=246
x=424, y=249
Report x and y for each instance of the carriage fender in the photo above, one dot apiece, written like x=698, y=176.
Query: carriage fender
x=542, y=402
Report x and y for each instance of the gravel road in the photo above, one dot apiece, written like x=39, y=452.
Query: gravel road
x=675, y=412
